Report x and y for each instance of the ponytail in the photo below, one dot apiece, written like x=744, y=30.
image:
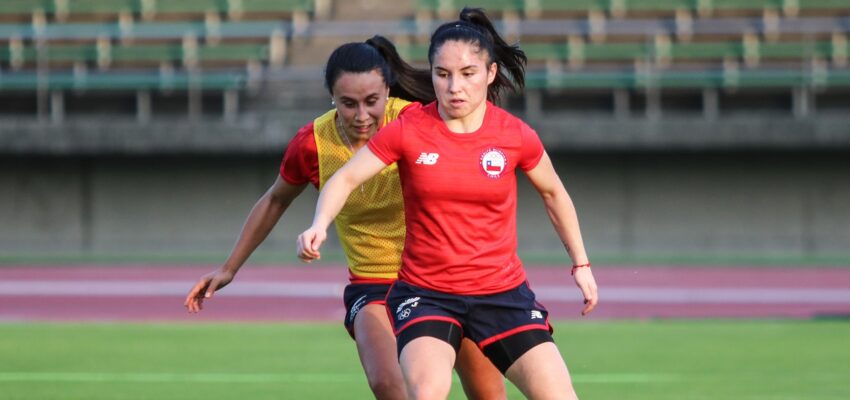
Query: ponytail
x=410, y=83
x=379, y=53
x=475, y=28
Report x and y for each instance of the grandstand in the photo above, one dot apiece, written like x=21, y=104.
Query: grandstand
x=236, y=78
x=622, y=57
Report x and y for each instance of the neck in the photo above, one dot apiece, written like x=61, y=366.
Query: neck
x=467, y=123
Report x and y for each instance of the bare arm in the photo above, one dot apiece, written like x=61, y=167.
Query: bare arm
x=563, y=215
x=355, y=172
x=263, y=217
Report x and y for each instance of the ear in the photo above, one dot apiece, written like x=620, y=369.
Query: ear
x=491, y=72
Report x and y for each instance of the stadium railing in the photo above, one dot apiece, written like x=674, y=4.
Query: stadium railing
x=727, y=78
x=122, y=81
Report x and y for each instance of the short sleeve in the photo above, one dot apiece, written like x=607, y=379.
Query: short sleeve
x=532, y=149
x=386, y=144
x=300, y=163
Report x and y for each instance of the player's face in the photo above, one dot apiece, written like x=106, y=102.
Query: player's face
x=360, y=98
x=461, y=73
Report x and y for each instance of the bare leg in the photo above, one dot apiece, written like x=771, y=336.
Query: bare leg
x=376, y=346
x=480, y=378
x=541, y=374
x=426, y=364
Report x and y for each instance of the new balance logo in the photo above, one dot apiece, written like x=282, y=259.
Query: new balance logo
x=427, y=158
x=536, y=314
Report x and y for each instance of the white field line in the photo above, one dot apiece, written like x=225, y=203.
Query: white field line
x=324, y=378
x=334, y=291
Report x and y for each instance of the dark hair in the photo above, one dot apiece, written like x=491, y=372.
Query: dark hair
x=475, y=28
x=379, y=53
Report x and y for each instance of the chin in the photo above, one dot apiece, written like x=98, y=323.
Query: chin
x=457, y=112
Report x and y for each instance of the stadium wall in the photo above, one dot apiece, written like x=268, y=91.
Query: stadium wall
x=631, y=203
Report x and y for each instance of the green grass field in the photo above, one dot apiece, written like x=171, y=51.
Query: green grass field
x=709, y=359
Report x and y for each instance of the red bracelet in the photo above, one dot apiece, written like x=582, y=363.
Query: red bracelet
x=575, y=267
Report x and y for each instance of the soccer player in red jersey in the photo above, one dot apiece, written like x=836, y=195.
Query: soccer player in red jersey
x=369, y=84
x=460, y=274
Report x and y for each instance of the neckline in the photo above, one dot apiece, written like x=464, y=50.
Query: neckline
x=469, y=135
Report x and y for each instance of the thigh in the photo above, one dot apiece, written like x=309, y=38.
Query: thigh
x=409, y=305
x=426, y=363
x=358, y=296
x=376, y=346
x=479, y=377
x=540, y=373
x=506, y=325
x=495, y=317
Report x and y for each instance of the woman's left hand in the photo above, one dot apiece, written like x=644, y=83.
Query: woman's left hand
x=585, y=281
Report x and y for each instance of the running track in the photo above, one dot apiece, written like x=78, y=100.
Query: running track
x=309, y=293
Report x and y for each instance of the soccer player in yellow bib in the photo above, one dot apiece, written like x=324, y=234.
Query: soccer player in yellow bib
x=370, y=86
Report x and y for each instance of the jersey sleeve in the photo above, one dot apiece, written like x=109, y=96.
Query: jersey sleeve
x=300, y=163
x=532, y=149
x=386, y=144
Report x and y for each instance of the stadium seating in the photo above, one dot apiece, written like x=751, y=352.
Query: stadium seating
x=595, y=44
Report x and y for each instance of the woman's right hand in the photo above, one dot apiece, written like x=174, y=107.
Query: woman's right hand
x=205, y=288
x=309, y=243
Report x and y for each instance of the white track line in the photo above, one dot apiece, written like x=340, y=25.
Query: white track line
x=334, y=291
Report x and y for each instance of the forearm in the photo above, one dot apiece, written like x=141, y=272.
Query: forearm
x=332, y=198
x=260, y=222
x=564, y=218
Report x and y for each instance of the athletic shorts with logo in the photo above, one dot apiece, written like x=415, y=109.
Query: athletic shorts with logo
x=484, y=319
x=358, y=295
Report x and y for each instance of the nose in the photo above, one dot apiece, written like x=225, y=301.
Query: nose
x=362, y=113
x=454, y=85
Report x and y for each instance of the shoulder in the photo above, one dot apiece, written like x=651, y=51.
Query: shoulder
x=504, y=118
x=304, y=141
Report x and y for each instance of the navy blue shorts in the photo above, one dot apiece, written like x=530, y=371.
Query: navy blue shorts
x=358, y=295
x=484, y=319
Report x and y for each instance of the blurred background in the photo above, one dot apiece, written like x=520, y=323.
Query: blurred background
x=681, y=128
x=684, y=129
x=705, y=143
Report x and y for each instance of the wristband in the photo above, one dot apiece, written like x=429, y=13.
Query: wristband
x=575, y=267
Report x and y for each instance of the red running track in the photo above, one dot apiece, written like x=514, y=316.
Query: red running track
x=311, y=293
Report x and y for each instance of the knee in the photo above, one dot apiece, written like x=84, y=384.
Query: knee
x=489, y=391
x=387, y=388
x=427, y=392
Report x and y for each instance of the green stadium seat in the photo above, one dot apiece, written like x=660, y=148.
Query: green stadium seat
x=224, y=53
x=795, y=50
x=25, y=7
x=185, y=6
x=258, y=6
x=489, y=5
x=706, y=50
x=146, y=53
x=73, y=7
x=124, y=81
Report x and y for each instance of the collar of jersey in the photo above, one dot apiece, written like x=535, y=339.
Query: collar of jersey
x=441, y=125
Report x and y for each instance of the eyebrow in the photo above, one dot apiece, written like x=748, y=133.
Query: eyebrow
x=462, y=69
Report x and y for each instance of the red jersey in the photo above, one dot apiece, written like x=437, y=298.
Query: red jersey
x=301, y=161
x=460, y=198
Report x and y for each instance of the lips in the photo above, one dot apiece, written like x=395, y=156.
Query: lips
x=363, y=129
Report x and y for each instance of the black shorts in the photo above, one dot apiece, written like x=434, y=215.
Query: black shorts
x=357, y=296
x=484, y=319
